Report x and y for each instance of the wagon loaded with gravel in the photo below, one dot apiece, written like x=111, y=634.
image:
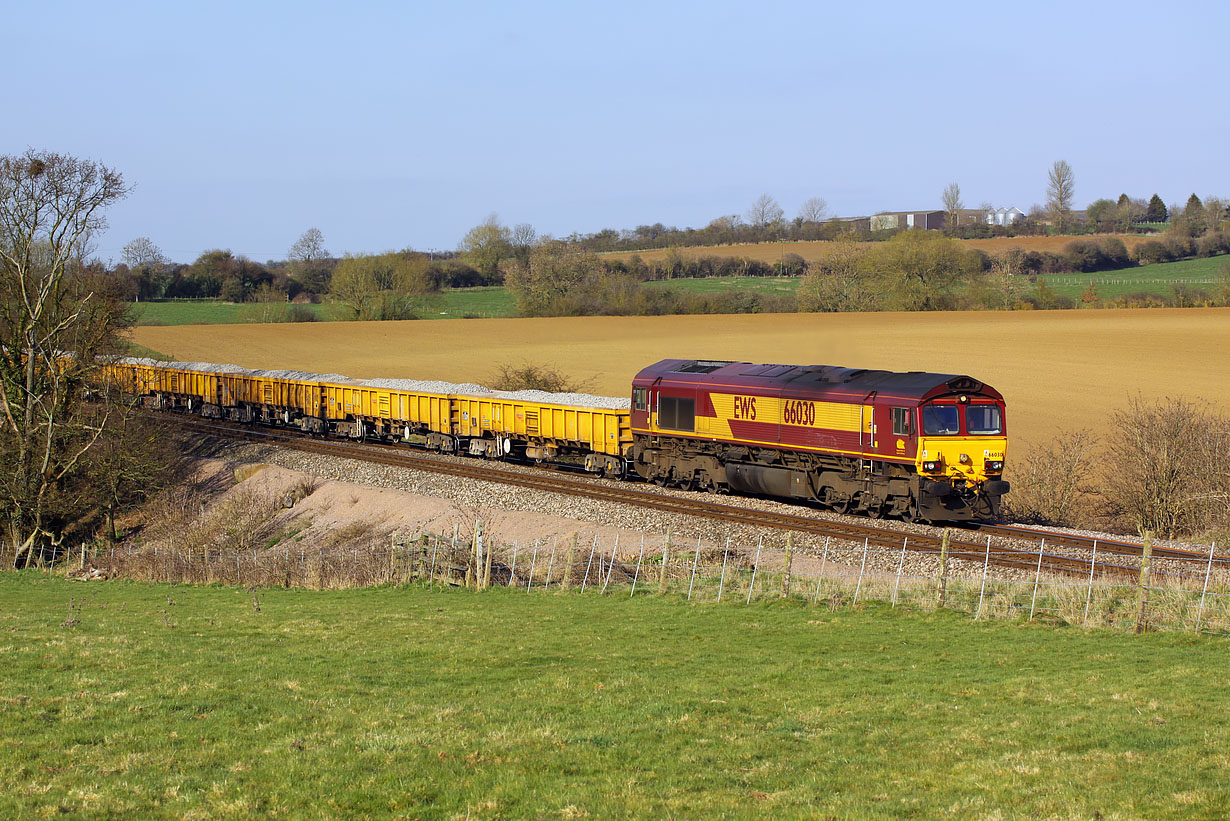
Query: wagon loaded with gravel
x=539, y=426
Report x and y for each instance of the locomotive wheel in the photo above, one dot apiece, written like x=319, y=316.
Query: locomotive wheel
x=876, y=509
x=912, y=514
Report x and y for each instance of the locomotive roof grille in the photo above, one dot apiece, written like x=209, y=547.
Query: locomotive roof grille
x=701, y=366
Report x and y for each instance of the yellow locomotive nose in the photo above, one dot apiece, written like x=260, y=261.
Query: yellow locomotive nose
x=969, y=458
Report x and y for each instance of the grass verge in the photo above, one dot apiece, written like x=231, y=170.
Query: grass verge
x=154, y=700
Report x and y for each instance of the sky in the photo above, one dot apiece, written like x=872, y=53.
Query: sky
x=402, y=125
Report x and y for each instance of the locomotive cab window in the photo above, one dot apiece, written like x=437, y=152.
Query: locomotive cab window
x=941, y=420
x=901, y=421
x=981, y=420
x=676, y=414
x=640, y=399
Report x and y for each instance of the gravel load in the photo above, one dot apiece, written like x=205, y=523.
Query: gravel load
x=429, y=386
x=583, y=400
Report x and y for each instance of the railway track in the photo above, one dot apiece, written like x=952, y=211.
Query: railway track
x=586, y=487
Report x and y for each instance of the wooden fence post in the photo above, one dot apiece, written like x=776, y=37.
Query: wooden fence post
x=1145, y=555
x=943, y=581
x=666, y=558
x=789, y=564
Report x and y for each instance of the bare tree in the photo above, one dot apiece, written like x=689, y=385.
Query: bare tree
x=1060, y=190
x=1051, y=482
x=764, y=212
x=1169, y=462
x=523, y=240
x=310, y=247
x=1214, y=213
x=952, y=203
x=814, y=210
x=55, y=318
x=142, y=253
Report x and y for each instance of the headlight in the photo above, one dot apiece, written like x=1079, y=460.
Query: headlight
x=995, y=465
x=931, y=466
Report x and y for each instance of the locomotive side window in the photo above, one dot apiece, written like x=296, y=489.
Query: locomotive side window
x=941, y=420
x=640, y=399
x=901, y=421
x=983, y=419
x=676, y=414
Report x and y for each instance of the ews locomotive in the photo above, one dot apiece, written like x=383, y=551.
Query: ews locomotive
x=923, y=446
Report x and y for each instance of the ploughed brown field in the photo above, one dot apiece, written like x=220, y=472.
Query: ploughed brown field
x=1057, y=369
x=812, y=251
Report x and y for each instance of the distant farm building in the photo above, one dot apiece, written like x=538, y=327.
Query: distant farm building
x=1004, y=216
x=904, y=220
x=972, y=216
x=854, y=223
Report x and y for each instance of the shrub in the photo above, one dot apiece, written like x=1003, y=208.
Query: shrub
x=1167, y=464
x=1051, y=483
x=531, y=377
x=1152, y=252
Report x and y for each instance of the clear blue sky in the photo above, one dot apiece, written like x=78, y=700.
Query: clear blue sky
x=393, y=125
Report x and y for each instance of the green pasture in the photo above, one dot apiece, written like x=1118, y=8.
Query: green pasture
x=473, y=303
x=452, y=303
x=718, y=285
x=213, y=312
x=1160, y=278
x=140, y=700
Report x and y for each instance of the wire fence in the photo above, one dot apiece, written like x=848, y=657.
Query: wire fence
x=1195, y=597
x=1079, y=280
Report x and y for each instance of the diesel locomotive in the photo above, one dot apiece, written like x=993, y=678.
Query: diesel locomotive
x=922, y=446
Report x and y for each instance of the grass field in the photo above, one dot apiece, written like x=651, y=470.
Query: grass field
x=452, y=303
x=812, y=251
x=211, y=312
x=1058, y=369
x=189, y=702
x=1159, y=278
